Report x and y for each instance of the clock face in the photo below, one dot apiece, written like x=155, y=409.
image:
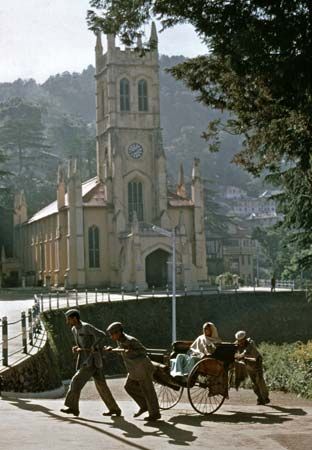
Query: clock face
x=135, y=151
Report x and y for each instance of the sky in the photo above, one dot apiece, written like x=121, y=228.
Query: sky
x=39, y=38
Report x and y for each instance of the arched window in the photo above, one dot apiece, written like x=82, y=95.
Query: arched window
x=142, y=95
x=94, y=247
x=124, y=95
x=135, y=200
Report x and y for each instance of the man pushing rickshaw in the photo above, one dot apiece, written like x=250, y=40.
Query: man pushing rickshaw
x=156, y=380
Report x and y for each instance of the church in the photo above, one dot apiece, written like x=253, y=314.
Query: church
x=100, y=232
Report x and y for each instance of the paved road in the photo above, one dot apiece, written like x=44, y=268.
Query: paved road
x=240, y=424
x=12, y=310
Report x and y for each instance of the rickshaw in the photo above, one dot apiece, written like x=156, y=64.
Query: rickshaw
x=207, y=384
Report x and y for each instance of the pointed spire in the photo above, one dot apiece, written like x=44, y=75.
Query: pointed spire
x=110, y=42
x=60, y=174
x=23, y=198
x=197, y=188
x=73, y=168
x=196, y=169
x=181, y=191
x=98, y=46
x=70, y=168
x=60, y=194
x=17, y=200
x=20, y=208
x=153, y=38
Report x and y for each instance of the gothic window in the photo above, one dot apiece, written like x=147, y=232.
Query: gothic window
x=142, y=95
x=124, y=95
x=135, y=200
x=94, y=247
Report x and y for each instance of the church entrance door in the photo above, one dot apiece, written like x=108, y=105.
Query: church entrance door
x=156, y=267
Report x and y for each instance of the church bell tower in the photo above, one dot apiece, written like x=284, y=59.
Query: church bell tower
x=130, y=156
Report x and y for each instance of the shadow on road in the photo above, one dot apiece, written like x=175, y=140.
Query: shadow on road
x=233, y=417
x=131, y=431
x=290, y=411
x=176, y=435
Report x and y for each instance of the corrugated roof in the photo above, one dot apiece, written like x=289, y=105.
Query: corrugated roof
x=51, y=209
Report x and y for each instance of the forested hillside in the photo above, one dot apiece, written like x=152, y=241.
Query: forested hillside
x=41, y=125
x=183, y=119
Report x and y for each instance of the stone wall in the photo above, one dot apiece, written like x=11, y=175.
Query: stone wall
x=34, y=374
x=278, y=318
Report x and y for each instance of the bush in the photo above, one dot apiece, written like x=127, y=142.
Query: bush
x=288, y=367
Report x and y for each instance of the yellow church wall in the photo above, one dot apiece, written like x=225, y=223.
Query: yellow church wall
x=60, y=248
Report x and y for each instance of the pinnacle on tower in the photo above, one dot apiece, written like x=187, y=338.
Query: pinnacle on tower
x=110, y=42
x=153, y=41
x=60, y=187
x=73, y=169
x=60, y=174
x=98, y=46
x=181, y=185
x=196, y=169
x=20, y=208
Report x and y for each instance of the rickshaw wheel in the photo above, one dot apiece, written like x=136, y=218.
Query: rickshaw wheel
x=198, y=391
x=167, y=397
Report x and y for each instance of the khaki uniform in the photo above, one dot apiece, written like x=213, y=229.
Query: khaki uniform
x=253, y=369
x=89, y=364
x=139, y=384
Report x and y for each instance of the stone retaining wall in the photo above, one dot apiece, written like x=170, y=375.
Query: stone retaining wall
x=278, y=317
x=36, y=373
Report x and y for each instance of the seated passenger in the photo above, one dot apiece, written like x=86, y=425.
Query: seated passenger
x=202, y=346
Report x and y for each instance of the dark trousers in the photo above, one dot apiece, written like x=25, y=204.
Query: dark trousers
x=258, y=384
x=143, y=393
x=79, y=380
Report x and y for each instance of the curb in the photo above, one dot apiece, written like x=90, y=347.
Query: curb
x=54, y=393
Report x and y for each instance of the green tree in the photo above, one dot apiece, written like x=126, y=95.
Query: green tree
x=5, y=206
x=272, y=247
x=258, y=68
x=74, y=138
x=28, y=159
x=22, y=132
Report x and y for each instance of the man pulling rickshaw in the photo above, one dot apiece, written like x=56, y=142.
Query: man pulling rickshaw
x=204, y=367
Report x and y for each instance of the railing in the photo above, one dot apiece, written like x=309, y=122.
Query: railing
x=30, y=325
x=74, y=298
x=29, y=329
x=280, y=284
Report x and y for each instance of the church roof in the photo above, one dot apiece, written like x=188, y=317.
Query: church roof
x=88, y=200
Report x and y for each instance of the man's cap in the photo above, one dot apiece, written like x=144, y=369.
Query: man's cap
x=115, y=326
x=72, y=312
x=240, y=335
